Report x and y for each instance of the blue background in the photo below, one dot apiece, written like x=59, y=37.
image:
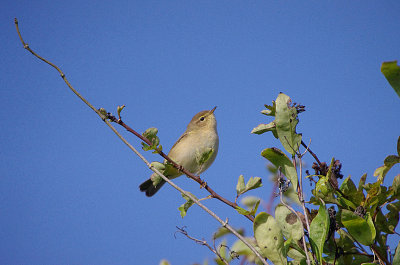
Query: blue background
x=69, y=188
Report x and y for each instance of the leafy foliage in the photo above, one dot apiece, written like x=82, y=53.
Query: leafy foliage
x=342, y=217
x=241, y=188
x=185, y=207
x=253, y=183
x=284, y=126
x=151, y=135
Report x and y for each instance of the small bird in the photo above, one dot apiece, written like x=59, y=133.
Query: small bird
x=195, y=150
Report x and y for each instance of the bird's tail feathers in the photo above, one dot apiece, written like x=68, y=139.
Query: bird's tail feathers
x=149, y=188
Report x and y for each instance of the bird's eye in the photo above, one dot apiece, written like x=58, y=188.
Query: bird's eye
x=202, y=118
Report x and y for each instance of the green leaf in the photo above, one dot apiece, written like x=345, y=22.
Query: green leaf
x=392, y=73
x=246, y=212
x=253, y=183
x=361, y=229
x=288, y=222
x=280, y=160
x=376, y=195
x=185, y=207
x=380, y=172
x=396, y=187
x=373, y=189
x=222, y=252
x=319, y=229
x=286, y=121
x=240, y=186
x=249, y=201
x=145, y=147
x=242, y=211
x=287, y=244
x=222, y=231
x=398, y=146
x=269, y=238
x=272, y=169
x=241, y=249
x=349, y=188
x=323, y=186
x=381, y=240
x=361, y=183
x=159, y=166
x=296, y=262
x=329, y=198
x=392, y=216
x=381, y=223
x=254, y=209
x=155, y=177
x=151, y=135
x=291, y=196
x=270, y=110
x=329, y=173
x=358, y=259
x=297, y=254
x=389, y=162
x=205, y=156
x=262, y=128
x=330, y=246
x=396, y=258
x=387, y=223
x=345, y=241
x=151, y=132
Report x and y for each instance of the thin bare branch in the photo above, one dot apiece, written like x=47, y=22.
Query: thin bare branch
x=311, y=152
x=307, y=147
x=26, y=46
x=301, y=197
x=201, y=242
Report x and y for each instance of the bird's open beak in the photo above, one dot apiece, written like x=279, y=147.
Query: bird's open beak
x=212, y=111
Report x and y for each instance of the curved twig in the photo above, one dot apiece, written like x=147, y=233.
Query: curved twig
x=201, y=242
x=311, y=152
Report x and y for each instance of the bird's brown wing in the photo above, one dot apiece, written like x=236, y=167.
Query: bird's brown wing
x=180, y=139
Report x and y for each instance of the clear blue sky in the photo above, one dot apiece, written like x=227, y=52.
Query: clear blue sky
x=69, y=188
